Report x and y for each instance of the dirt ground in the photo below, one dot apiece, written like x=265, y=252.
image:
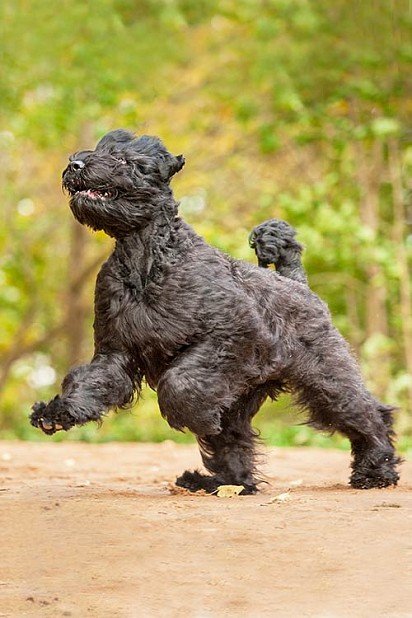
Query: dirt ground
x=95, y=531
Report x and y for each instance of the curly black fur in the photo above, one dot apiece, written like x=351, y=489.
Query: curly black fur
x=274, y=243
x=213, y=335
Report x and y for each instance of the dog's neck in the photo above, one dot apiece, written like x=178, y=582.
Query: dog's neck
x=145, y=252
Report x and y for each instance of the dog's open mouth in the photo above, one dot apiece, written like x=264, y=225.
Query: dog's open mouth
x=93, y=194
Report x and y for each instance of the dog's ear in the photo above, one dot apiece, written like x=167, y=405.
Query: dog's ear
x=166, y=163
x=170, y=165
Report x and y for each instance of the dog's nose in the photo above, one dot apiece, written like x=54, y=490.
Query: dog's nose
x=76, y=165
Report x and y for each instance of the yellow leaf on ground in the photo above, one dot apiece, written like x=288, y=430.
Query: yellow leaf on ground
x=281, y=498
x=228, y=491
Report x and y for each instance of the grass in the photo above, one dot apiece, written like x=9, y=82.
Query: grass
x=278, y=422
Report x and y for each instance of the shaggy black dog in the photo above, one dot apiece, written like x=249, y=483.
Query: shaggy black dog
x=213, y=335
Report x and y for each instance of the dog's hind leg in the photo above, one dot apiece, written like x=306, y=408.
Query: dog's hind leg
x=231, y=455
x=328, y=383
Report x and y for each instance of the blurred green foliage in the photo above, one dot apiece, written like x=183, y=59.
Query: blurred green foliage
x=298, y=109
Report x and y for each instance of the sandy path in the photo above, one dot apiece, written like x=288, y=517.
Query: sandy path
x=92, y=530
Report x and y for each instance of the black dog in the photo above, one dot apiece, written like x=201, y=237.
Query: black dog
x=213, y=335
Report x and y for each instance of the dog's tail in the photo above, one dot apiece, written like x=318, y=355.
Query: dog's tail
x=274, y=243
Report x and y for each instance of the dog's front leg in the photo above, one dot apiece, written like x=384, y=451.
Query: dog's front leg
x=88, y=392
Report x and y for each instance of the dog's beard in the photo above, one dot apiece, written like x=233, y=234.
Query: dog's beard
x=103, y=212
x=109, y=208
x=95, y=202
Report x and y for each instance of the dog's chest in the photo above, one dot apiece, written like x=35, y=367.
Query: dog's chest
x=149, y=319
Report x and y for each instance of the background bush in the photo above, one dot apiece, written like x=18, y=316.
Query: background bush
x=298, y=109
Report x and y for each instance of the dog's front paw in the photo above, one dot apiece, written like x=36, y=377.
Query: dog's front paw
x=195, y=481
x=51, y=417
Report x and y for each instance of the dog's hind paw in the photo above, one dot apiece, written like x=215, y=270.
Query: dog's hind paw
x=375, y=480
x=195, y=481
x=376, y=471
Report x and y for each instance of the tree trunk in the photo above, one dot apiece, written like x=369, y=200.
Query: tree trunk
x=399, y=229
x=370, y=167
x=76, y=312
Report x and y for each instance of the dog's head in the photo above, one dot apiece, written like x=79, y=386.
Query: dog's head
x=122, y=184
